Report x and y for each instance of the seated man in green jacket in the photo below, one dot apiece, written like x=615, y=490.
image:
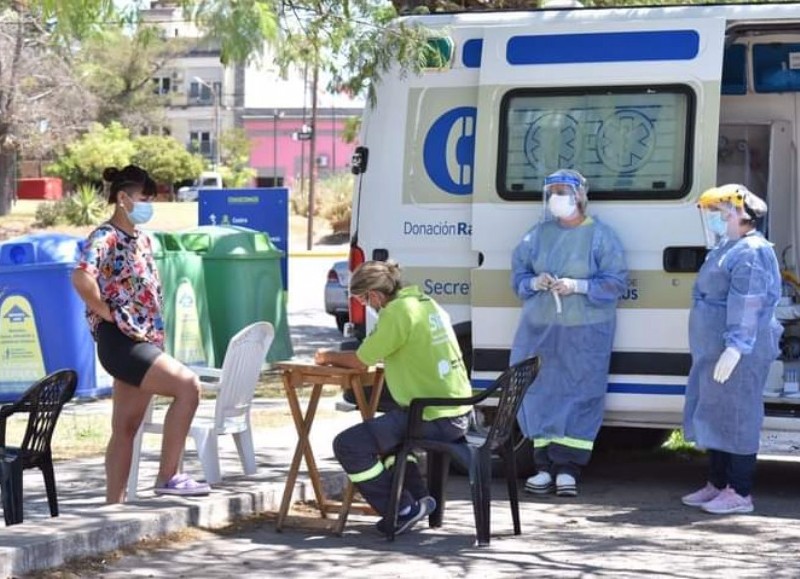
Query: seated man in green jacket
x=422, y=359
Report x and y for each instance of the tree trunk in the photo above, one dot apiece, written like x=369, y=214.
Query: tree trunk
x=8, y=185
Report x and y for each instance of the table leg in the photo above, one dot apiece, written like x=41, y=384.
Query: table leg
x=311, y=463
x=377, y=390
x=347, y=500
x=303, y=448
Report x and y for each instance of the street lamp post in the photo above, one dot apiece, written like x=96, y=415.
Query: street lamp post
x=216, y=95
x=275, y=116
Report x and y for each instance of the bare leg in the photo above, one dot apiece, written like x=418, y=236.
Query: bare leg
x=168, y=377
x=129, y=405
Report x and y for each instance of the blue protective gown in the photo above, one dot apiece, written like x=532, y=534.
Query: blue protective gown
x=734, y=299
x=566, y=403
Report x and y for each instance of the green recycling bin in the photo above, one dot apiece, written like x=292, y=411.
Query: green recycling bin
x=186, y=322
x=243, y=283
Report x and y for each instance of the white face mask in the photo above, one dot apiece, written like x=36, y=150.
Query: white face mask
x=562, y=206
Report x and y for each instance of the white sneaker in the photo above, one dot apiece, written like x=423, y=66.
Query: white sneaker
x=566, y=486
x=539, y=484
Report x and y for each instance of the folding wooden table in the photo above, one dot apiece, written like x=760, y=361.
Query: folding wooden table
x=297, y=375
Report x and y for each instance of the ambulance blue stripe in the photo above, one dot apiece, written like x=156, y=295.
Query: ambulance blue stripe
x=618, y=388
x=603, y=47
x=472, y=52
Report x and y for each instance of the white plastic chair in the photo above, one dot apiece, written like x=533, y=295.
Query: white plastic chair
x=231, y=410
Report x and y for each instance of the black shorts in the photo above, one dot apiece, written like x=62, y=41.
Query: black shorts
x=122, y=357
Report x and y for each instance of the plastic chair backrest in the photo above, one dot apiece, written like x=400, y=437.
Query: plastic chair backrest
x=43, y=401
x=512, y=385
x=240, y=371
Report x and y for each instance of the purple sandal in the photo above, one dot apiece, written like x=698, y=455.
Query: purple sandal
x=184, y=485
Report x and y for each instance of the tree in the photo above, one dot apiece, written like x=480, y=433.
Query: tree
x=166, y=159
x=83, y=160
x=119, y=69
x=41, y=104
x=236, y=171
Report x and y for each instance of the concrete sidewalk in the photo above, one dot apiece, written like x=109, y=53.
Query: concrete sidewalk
x=87, y=526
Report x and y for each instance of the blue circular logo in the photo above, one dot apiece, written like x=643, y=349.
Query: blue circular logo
x=449, y=151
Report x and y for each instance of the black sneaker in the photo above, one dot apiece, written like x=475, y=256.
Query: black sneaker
x=419, y=510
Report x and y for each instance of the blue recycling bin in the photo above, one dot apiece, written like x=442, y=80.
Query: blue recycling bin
x=42, y=324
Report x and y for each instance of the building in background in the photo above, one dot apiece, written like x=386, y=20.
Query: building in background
x=206, y=99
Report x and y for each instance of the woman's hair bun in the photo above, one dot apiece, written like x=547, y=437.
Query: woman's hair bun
x=110, y=174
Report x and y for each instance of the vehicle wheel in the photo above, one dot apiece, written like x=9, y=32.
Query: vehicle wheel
x=614, y=438
x=341, y=320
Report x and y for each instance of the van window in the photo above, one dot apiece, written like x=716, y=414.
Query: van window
x=629, y=142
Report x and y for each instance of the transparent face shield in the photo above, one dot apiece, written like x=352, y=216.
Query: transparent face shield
x=560, y=199
x=721, y=222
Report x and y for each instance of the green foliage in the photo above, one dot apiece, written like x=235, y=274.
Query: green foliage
x=84, y=159
x=240, y=26
x=235, y=153
x=118, y=69
x=335, y=194
x=166, y=159
x=333, y=197
x=49, y=213
x=677, y=443
x=352, y=128
x=299, y=199
x=85, y=206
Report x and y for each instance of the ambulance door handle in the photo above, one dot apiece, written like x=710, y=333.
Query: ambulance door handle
x=380, y=254
x=684, y=259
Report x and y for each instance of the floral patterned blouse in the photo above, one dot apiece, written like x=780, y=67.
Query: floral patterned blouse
x=124, y=268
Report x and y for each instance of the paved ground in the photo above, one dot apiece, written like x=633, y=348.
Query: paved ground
x=627, y=521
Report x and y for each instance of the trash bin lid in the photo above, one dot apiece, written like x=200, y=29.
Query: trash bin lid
x=217, y=242
x=163, y=241
x=40, y=248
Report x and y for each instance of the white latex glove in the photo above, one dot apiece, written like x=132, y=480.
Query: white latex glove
x=542, y=282
x=566, y=286
x=726, y=364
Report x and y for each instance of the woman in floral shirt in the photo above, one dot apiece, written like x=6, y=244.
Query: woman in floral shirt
x=118, y=280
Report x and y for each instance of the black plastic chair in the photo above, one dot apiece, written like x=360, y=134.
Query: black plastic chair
x=476, y=458
x=43, y=402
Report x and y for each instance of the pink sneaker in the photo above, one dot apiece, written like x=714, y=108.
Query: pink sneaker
x=728, y=502
x=698, y=498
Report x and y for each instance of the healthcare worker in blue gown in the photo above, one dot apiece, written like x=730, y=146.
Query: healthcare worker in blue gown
x=569, y=271
x=733, y=337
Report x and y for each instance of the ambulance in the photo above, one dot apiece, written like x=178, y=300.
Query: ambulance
x=653, y=106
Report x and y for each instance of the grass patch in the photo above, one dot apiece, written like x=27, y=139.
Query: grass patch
x=677, y=444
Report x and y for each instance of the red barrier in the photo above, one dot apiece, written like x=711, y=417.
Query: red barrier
x=44, y=188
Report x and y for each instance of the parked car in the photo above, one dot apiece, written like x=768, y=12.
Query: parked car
x=336, y=293
x=207, y=180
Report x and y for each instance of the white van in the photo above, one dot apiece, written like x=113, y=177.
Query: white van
x=652, y=105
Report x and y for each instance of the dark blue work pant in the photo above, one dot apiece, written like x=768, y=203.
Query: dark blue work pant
x=734, y=470
x=361, y=447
